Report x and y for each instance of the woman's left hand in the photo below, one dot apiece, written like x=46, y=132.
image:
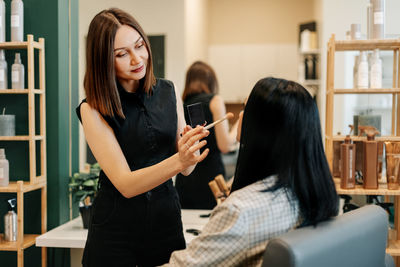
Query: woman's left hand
x=190, y=144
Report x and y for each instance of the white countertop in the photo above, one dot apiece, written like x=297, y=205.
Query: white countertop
x=72, y=234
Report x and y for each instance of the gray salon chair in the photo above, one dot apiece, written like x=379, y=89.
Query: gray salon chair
x=355, y=239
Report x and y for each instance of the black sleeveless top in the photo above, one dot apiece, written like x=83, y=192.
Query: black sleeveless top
x=147, y=135
x=193, y=190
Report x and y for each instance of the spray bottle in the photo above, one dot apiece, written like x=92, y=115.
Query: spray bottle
x=371, y=160
x=17, y=73
x=11, y=221
x=348, y=162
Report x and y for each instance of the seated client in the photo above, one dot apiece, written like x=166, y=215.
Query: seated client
x=282, y=179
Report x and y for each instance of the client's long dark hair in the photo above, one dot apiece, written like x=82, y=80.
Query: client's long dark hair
x=281, y=135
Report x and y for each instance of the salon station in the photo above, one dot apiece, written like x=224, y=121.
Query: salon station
x=346, y=54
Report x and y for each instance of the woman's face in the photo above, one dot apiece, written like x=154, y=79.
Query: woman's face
x=131, y=56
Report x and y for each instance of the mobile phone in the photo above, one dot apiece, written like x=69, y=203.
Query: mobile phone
x=196, y=114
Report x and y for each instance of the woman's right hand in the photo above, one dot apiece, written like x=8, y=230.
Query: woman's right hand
x=190, y=144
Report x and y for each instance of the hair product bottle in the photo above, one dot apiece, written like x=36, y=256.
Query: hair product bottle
x=17, y=73
x=355, y=71
x=2, y=21
x=336, y=162
x=17, y=21
x=370, y=160
x=4, y=168
x=11, y=221
x=348, y=161
x=355, y=31
x=362, y=71
x=376, y=70
x=3, y=71
x=370, y=15
x=378, y=29
x=392, y=164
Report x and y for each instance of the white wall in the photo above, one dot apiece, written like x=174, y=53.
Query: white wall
x=196, y=31
x=335, y=17
x=156, y=17
x=240, y=66
x=253, y=39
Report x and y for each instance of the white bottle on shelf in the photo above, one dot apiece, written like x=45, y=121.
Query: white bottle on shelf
x=17, y=73
x=2, y=21
x=3, y=71
x=17, y=21
x=355, y=71
x=370, y=15
x=376, y=70
x=378, y=27
x=362, y=72
x=4, y=168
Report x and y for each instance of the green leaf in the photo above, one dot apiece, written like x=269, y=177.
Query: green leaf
x=89, y=183
x=80, y=193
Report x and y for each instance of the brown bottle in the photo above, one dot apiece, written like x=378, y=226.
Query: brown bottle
x=348, y=161
x=370, y=161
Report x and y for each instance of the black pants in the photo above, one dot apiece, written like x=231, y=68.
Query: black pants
x=141, y=231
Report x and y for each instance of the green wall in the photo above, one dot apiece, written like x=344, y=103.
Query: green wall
x=48, y=19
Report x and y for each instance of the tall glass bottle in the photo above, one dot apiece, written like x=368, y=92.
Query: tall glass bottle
x=3, y=71
x=2, y=21
x=4, y=168
x=378, y=27
x=17, y=21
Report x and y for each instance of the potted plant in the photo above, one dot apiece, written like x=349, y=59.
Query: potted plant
x=83, y=187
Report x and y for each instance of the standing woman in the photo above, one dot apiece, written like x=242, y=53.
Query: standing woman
x=132, y=123
x=201, y=86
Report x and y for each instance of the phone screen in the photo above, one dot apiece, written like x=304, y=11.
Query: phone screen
x=196, y=114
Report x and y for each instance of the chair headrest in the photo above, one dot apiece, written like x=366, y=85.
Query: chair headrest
x=356, y=238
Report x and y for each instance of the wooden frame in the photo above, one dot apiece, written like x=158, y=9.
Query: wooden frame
x=36, y=182
x=360, y=45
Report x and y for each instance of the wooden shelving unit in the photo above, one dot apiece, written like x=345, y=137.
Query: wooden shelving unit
x=36, y=182
x=360, y=45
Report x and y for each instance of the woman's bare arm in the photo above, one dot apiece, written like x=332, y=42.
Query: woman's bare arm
x=182, y=129
x=225, y=138
x=106, y=149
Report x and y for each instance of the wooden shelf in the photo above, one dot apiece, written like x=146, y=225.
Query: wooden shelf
x=355, y=45
x=29, y=240
x=36, y=109
x=27, y=186
x=21, y=91
x=393, y=248
x=20, y=45
x=363, y=138
x=334, y=46
x=366, y=91
x=359, y=190
x=21, y=138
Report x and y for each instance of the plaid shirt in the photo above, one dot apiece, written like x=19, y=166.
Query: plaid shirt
x=240, y=227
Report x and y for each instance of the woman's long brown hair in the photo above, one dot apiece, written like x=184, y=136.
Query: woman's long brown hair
x=200, y=78
x=100, y=81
